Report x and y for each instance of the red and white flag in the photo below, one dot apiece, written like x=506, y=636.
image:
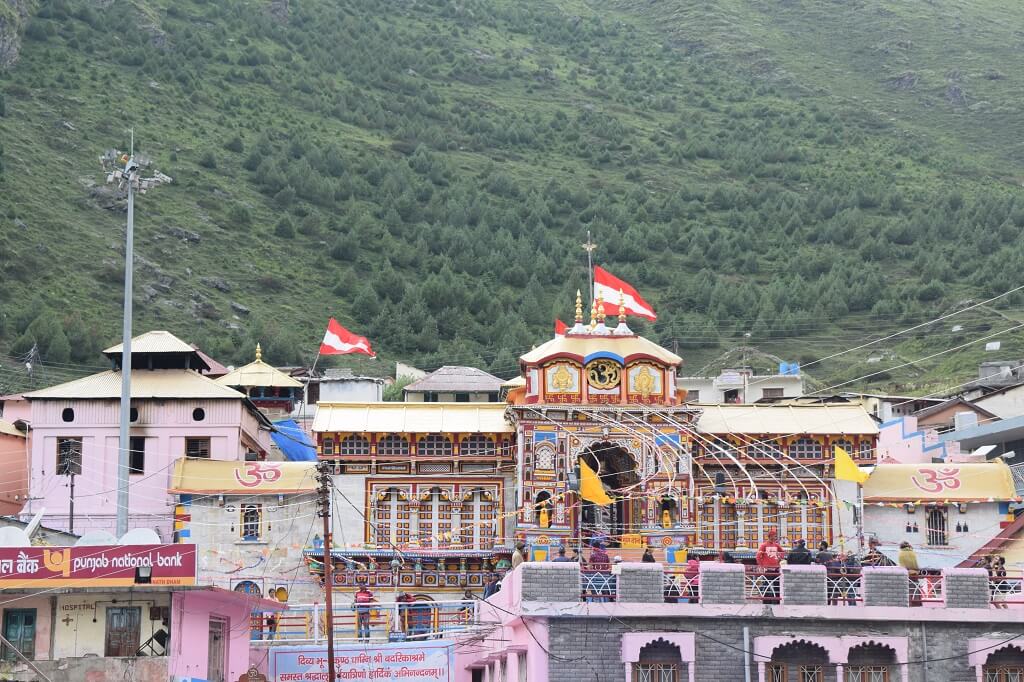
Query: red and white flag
x=340, y=341
x=560, y=328
x=607, y=287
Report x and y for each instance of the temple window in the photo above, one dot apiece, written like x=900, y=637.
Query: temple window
x=478, y=445
x=328, y=446
x=867, y=450
x=545, y=457
x=845, y=444
x=251, y=522
x=798, y=662
x=354, y=445
x=805, y=448
x=870, y=663
x=659, y=662
x=1005, y=665
x=435, y=445
x=393, y=445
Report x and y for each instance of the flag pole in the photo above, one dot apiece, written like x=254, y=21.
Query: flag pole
x=589, y=248
x=305, y=387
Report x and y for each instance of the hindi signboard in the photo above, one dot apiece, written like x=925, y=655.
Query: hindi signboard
x=96, y=566
x=420, y=661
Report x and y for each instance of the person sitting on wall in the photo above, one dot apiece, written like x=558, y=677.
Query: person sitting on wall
x=519, y=556
x=599, y=560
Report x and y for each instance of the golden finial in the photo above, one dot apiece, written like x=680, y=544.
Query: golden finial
x=593, y=314
x=579, y=307
x=600, y=308
x=622, y=306
x=259, y=353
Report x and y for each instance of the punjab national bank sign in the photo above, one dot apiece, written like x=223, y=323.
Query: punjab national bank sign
x=421, y=661
x=97, y=566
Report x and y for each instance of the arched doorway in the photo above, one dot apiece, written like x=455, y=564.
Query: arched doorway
x=1004, y=665
x=799, y=661
x=617, y=470
x=871, y=663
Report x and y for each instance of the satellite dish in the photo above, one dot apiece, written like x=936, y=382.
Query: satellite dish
x=281, y=594
x=95, y=538
x=14, y=537
x=140, y=536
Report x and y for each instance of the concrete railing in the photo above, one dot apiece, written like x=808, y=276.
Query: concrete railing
x=724, y=584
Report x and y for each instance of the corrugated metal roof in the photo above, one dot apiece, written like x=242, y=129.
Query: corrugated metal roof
x=454, y=378
x=955, y=482
x=154, y=342
x=786, y=419
x=411, y=418
x=146, y=383
x=258, y=373
x=9, y=429
x=581, y=347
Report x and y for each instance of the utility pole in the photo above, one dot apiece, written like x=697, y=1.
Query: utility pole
x=323, y=504
x=128, y=176
x=71, y=504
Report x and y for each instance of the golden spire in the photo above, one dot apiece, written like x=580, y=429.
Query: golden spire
x=579, y=307
x=600, y=308
x=593, y=314
x=259, y=353
x=622, y=306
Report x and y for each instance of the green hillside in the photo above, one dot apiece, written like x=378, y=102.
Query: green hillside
x=425, y=171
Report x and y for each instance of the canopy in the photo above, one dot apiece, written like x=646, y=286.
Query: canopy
x=954, y=482
x=411, y=418
x=210, y=476
x=293, y=441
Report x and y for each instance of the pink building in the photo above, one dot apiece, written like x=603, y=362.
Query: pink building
x=73, y=435
x=120, y=623
x=876, y=626
x=14, y=464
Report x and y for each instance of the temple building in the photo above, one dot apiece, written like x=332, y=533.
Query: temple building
x=267, y=387
x=432, y=496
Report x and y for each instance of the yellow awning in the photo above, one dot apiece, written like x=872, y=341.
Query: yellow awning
x=411, y=418
x=206, y=476
x=940, y=482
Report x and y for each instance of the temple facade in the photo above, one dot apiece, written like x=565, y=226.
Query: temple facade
x=431, y=498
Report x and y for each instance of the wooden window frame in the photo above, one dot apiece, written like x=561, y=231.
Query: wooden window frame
x=435, y=445
x=386, y=446
x=806, y=448
x=866, y=672
x=354, y=445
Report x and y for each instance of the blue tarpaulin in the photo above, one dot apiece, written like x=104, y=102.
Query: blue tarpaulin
x=293, y=441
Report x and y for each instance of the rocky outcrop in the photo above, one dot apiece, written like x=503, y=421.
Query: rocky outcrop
x=13, y=15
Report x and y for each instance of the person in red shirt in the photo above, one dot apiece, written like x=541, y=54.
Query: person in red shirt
x=769, y=554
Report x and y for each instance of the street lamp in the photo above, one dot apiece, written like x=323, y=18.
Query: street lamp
x=127, y=173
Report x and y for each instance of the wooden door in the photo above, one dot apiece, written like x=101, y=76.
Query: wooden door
x=123, y=630
x=216, y=650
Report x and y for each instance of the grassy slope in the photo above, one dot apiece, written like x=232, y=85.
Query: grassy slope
x=807, y=44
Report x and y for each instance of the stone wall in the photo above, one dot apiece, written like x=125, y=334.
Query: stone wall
x=590, y=648
x=91, y=668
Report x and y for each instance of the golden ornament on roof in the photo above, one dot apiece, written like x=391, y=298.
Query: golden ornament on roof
x=644, y=382
x=561, y=380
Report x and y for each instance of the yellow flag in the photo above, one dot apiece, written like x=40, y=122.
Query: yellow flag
x=591, y=489
x=846, y=469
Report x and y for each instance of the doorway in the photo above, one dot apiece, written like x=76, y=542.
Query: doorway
x=122, y=637
x=217, y=649
x=617, y=470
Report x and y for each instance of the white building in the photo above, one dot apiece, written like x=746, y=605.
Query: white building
x=454, y=384
x=741, y=386
x=946, y=511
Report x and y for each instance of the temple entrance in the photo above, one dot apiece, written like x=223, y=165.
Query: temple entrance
x=617, y=470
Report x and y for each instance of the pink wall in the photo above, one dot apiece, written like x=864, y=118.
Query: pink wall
x=164, y=423
x=901, y=440
x=510, y=639
x=44, y=621
x=190, y=631
x=14, y=465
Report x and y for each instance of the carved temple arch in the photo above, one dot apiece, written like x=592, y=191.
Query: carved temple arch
x=633, y=644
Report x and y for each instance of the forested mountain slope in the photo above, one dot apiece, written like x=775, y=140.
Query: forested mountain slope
x=426, y=171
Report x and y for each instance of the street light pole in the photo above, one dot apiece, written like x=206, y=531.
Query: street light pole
x=128, y=176
x=131, y=171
